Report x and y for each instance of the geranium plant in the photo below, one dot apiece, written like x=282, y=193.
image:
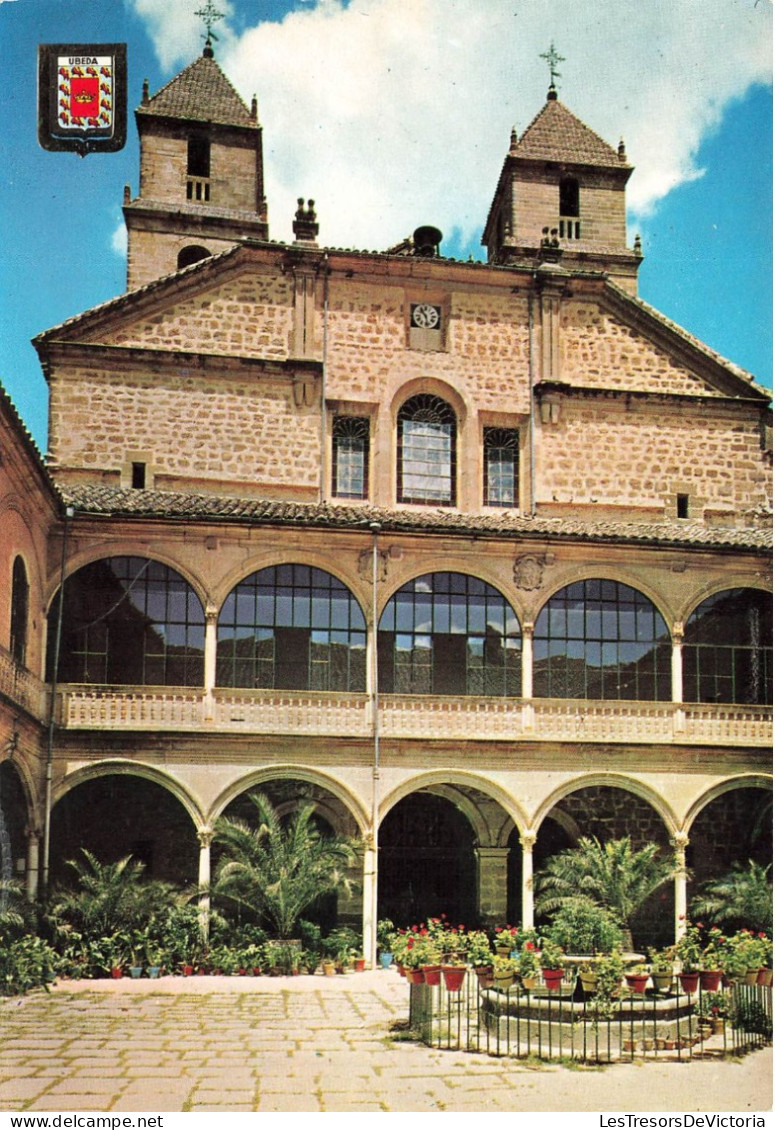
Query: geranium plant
x=478, y=948
x=551, y=954
x=688, y=948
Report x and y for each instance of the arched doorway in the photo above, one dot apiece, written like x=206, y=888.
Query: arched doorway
x=330, y=817
x=427, y=864
x=13, y=820
x=608, y=812
x=732, y=828
x=119, y=814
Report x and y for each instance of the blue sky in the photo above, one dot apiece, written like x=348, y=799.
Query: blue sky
x=393, y=113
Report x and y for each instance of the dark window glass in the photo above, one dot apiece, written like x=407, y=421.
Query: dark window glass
x=198, y=156
x=292, y=627
x=601, y=639
x=20, y=606
x=427, y=451
x=449, y=634
x=350, y=464
x=138, y=476
x=569, y=196
x=501, y=467
x=727, y=650
x=129, y=621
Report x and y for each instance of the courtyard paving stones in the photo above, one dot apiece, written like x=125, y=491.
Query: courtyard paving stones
x=307, y=1044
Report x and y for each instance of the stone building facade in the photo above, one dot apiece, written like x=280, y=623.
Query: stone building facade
x=474, y=555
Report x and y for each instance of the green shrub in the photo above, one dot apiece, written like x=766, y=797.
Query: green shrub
x=25, y=963
x=581, y=926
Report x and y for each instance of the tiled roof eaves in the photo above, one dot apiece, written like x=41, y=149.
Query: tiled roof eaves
x=544, y=388
x=25, y=437
x=112, y=502
x=131, y=296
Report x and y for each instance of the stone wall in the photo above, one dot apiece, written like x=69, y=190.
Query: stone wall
x=640, y=455
x=195, y=429
x=599, y=351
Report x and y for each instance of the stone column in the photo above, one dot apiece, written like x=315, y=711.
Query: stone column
x=211, y=646
x=369, y=909
x=492, y=883
x=205, y=837
x=33, y=856
x=527, y=659
x=680, y=844
x=527, y=839
x=677, y=662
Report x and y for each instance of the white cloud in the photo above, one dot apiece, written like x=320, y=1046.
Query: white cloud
x=176, y=30
x=392, y=114
x=119, y=239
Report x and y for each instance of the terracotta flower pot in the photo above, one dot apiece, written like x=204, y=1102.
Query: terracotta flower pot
x=415, y=976
x=454, y=976
x=116, y=972
x=764, y=977
x=710, y=980
x=432, y=974
x=484, y=975
x=637, y=982
x=689, y=982
x=552, y=978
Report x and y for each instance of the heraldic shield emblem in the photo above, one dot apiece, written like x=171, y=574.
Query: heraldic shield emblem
x=82, y=96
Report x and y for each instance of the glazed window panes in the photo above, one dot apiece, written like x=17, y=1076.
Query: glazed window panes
x=727, y=649
x=426, y=451
x=292, y=627
x=129, y=621
x=501, y=467
x=601, y=640
x=350, y=470
x=448, y=634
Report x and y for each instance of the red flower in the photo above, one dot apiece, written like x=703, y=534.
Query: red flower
x=410, y=944
x=529, y=945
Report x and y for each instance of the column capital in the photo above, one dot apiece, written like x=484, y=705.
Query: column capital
x=528, y=839
x=677, y=631
x=211, y=614
x=205, y=835
x=680, y=841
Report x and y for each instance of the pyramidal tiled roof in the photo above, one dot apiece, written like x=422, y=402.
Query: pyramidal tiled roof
x=200, y=93
x=555, y=134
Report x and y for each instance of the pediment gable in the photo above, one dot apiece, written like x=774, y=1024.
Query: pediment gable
x=226, y=304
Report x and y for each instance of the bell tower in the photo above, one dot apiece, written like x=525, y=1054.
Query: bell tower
x=201, y=173
x=563, y=187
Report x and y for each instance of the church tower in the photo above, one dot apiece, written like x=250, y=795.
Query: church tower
x=562, y=191
x=201, y=173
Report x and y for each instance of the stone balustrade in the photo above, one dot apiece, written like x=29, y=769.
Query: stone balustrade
x=328, y=713
x=21, y=687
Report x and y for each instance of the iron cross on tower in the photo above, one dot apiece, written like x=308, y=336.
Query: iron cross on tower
x=553, y=59
x=209, y=15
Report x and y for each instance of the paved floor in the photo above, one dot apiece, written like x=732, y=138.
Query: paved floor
x=307, y=1044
